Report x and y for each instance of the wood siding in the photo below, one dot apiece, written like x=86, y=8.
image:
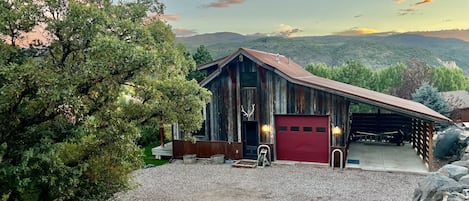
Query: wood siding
x=422, y=140
x=271, y=94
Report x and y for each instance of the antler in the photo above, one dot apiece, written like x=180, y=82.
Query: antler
x=244, y=112
x=250, y=113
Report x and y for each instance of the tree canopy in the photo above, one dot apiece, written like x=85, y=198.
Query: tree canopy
x=70, y=117
x=429, y=96
x=200, y=56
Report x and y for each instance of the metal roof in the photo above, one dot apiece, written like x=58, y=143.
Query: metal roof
x=295, y=73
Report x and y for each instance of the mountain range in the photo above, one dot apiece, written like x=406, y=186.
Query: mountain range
x=376, y=51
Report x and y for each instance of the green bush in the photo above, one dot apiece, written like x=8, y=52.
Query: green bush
x=149, y=135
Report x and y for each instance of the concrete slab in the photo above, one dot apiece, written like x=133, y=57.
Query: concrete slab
x=382, y=157
x=159, y=151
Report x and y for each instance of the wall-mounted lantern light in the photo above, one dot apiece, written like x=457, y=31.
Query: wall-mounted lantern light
x=265, y=128
x=336, y=132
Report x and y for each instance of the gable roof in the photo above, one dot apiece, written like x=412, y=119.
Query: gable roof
x=456, y=99
x=295, y=73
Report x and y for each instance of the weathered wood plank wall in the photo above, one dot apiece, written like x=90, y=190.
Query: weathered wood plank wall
x=271, y=94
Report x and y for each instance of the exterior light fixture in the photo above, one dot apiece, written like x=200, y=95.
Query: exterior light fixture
x=336, y=132
x=265, y=128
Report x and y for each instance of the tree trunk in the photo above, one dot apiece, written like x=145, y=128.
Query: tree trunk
x=161, y=133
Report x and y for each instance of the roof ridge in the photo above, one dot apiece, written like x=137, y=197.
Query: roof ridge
x=263, y=52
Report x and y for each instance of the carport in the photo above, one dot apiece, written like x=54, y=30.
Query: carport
x=391, y=141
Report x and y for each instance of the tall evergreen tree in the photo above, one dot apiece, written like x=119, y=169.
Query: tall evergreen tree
x=201, y=56
x=429, y=96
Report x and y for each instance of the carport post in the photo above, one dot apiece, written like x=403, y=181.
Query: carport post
x=430, y=145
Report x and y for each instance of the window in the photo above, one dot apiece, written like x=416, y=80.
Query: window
x=295, y=128
x=282, y=128
x=308, y=129
x=248, y=79
x=320, y=129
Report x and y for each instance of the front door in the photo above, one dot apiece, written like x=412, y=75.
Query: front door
x=250, y=137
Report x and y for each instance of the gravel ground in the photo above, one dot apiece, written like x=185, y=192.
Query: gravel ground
x=202, y=181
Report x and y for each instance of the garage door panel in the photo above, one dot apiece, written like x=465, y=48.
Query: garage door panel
x=302, y=138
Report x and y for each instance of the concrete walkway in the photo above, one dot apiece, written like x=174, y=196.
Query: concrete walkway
x=385, y=157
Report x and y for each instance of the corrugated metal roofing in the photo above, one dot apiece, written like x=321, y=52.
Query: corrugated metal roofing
x=298, y=75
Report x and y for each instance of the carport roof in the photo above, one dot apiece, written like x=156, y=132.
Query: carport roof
x=295, y=73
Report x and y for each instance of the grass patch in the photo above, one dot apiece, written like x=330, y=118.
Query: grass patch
x=150, y=159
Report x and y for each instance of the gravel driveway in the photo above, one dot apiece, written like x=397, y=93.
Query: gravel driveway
x=201, y=181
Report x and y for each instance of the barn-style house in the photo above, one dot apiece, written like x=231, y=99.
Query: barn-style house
x=265, y=98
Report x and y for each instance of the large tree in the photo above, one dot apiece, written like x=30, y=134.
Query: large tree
x=322, y=70
x=449, y=79
x=355, y=73
x=429, y=96
x=389, y=80
x=415, y=74
x=200, y=56
x=67, y=124
x=17, y=17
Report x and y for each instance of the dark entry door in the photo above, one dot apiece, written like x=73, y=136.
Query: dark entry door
x=250, y=137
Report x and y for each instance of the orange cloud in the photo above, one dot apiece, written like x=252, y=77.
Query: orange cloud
x=286, y=30
x=424, y=1
x=168, y=17
x=163, y=17
x=400, y=1
x=224, y=3
x=357, y=31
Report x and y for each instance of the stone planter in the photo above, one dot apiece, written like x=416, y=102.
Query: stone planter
x=218, y=159
x=189, y=158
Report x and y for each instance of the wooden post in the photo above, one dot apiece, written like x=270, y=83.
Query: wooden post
x=414, y=130
x=430, y=145
x=161, y=132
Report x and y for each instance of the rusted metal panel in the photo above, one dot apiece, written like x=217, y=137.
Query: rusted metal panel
x=205, y=149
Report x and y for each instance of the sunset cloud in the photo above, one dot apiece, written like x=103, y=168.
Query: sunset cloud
x=400, y=1
x=424, y=1
x=169, y=17
x=224, y=3
x=288, y=31
x=356, y=31
x=163, y=17
x=182, y=32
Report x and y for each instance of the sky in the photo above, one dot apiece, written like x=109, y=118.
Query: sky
x=314, y=17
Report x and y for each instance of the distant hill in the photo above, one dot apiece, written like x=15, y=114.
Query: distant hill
x=458, y=34
x=372, y=50
x=193, y=42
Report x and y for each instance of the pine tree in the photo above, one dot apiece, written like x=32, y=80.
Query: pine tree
x=429, y=96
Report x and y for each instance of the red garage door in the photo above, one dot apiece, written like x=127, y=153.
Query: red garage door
x=302, y=138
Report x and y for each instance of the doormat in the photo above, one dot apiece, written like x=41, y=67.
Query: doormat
x=245, y=163
x=353, y=161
